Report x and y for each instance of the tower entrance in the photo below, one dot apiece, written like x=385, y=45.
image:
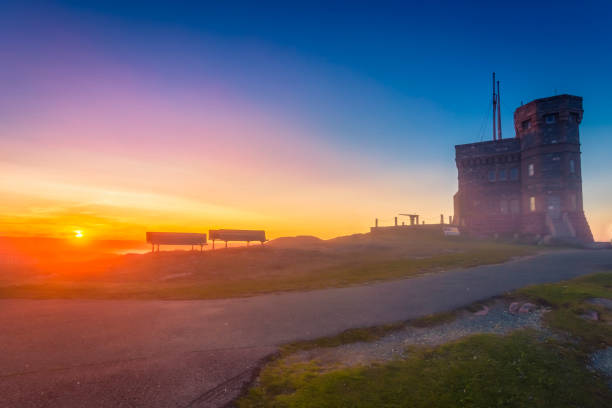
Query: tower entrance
x=554, y=207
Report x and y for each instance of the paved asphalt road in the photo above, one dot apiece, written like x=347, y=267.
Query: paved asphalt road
x=86, y=353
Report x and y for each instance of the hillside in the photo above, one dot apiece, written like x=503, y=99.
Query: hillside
x=293, y=263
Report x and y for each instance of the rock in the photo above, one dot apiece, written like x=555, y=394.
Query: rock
x=514, y=307
x=482, y=312
x=607, y=303
x=602, y=360
x=590, y=315
x=527, y=308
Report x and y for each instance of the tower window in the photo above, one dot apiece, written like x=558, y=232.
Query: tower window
x=502, y=174
x=573, y=117
x=526, y=124
x=532, y=204
x=491, y=175
x=572, y=166
x=514, y=173
x=531, y=170
x=550, y=118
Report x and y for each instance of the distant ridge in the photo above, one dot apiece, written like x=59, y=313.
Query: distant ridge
x=300, y=241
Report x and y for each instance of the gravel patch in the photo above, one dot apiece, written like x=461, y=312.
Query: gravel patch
x=602, y=361
x=497, y=320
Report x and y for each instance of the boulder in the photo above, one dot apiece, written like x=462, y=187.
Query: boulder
x=607, y=303
x=514, y=307
x=482, y=312
x=590, y=315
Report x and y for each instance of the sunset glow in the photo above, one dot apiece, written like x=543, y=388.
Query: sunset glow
x=96, y=130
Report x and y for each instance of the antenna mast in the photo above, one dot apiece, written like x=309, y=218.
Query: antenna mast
x=494, y=107
x=499, y=136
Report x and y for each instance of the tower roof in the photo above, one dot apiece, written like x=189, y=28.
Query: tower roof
x=551, y=104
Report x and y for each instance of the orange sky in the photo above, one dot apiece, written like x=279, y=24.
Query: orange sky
x=43, y=201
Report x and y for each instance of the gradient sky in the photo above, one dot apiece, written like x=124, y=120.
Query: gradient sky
x=117, y=118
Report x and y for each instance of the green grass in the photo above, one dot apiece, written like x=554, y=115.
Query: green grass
x=569, y=301
x=247, y=272
x=434, y=319
x=357, y=273
x=479, y=371
x=366, y=334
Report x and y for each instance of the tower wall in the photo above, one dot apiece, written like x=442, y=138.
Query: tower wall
x=551, y=186
x=488, y=199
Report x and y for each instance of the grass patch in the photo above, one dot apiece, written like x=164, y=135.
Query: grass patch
x=573, y=291
x=366, y=334
x=479, y=371
x=398, y=268
x=569, y=301
x=434, y=319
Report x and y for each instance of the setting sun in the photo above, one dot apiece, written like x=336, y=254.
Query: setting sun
x=78, y=234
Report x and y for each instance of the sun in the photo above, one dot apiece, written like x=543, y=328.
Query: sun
x=78, y=234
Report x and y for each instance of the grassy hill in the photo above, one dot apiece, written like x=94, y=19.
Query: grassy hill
x=298, y=263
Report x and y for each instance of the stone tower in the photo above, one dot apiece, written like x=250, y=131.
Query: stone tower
x=529, y=185
x=551, y=182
